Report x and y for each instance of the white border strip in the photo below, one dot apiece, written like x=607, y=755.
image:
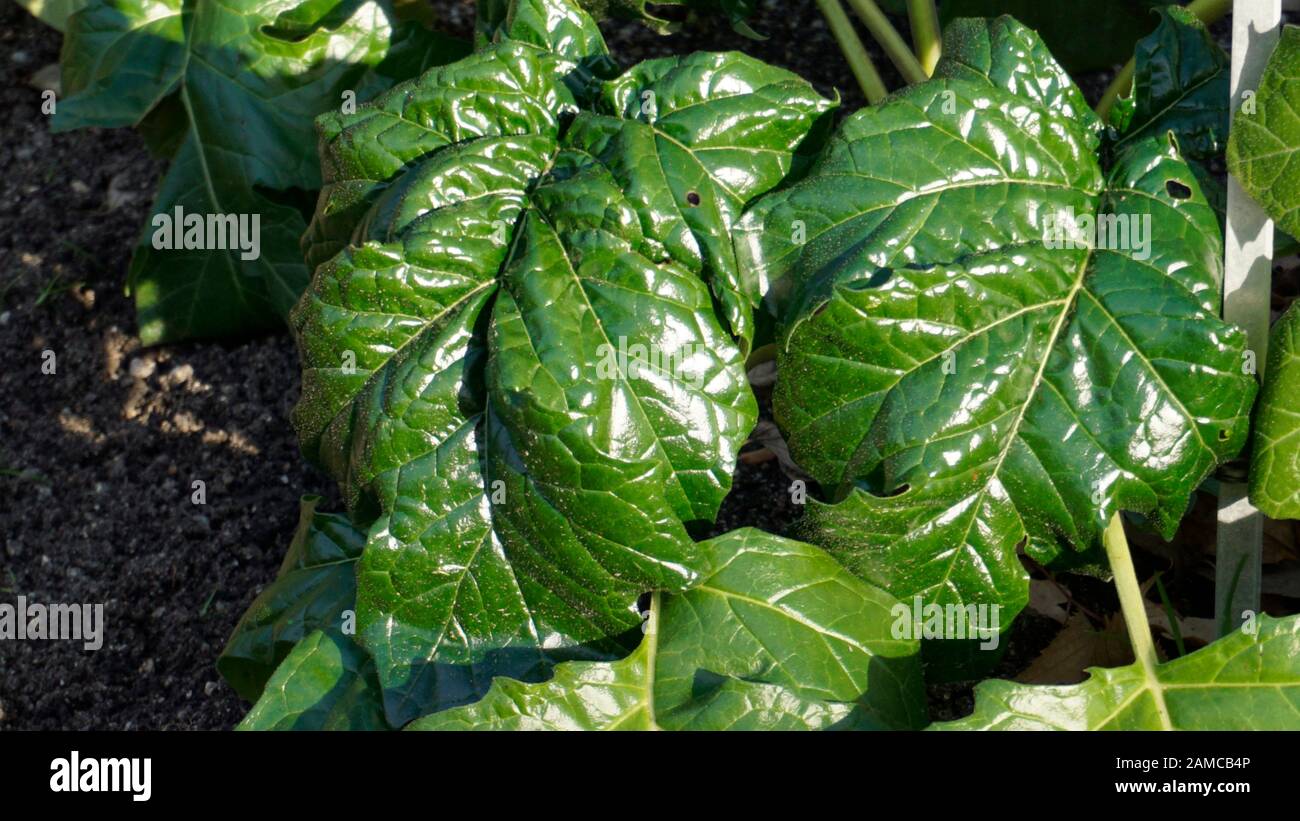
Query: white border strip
x=1247, y=285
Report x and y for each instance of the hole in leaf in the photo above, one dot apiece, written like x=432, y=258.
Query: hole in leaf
x=1177, y=190
x=693, y=198
x=1223, y=435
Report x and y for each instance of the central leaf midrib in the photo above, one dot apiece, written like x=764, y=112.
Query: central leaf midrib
x=1014, y=432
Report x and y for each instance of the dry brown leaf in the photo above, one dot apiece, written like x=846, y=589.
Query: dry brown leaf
x=1077, y=647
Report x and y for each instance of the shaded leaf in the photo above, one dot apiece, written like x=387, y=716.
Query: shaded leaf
x=316, y=583
x=777, y=636
x=1180, y=84
x=326, y=683
x=249, y=76
x=54, y=13
x=1275, y=459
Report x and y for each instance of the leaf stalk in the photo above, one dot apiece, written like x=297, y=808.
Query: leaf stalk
x=890, y=40
x=1135, y=613
x=854, y=51
x=926, y=38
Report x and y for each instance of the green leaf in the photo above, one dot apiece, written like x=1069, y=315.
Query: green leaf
x=673, y=157
x=777, y=636
x=250, y=76
x=516, y=361
x=1266, y=135
x=1180, y=84
x=1240, y=682
x=53, y=13
x=120, y=59
x=316, y=583
x=326, y=683
x=1084, y=36
x=1275, y=459
x=1008, y=55
x=508, y=89
x=968, y=385
x=553, y=25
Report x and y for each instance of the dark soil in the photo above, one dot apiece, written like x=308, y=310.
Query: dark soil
x=98, y=460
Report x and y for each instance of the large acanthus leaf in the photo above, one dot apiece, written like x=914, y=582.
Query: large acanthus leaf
x=1266, y=136
x=521, y=371
x=1275, y=458
x=326, y=683
x=777, y=636
x=250, y=76
x=1240, y=682
x=315, y=585
x=977, y=387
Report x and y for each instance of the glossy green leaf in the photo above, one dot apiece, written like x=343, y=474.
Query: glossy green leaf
x=696, y=139
x=553, y=25
x=1240, y=682
x=250, y=76
x=326, y=683
x=971, y=381
x=507, y=89
x=316, y=583
x=776, y=636
x=1266, y=136
x=1275, y=458
x=516, y=362
x=1180, y=84
x=1011, y=57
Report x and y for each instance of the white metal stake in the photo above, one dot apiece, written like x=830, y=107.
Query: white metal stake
x=1247, y=287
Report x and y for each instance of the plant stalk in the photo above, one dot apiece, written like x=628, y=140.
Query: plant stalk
x=854, y=51
x=890, y=40
x=926, y=38
x=1209, y=11
x=1135, y=612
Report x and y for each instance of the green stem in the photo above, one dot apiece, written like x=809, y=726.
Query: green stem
x=890, y=40
x=856, y=53
x=926, y=38
x=1135, y=612
x=1209, y=11
x=650, y=641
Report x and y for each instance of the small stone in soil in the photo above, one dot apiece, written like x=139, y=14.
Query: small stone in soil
x=141, y=368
